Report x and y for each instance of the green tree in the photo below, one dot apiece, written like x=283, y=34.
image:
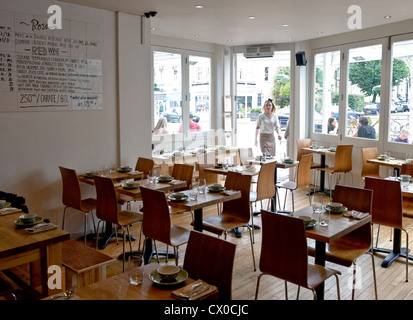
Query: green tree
x=367, y=75
x=282, y=85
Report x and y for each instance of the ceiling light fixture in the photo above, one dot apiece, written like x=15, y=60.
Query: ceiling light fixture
x=387, y=17
x=285, y=25
x=251, y=18
x=319, y=32
x=199, y=6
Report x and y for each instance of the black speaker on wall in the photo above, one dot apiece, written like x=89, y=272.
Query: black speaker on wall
x=300, y=58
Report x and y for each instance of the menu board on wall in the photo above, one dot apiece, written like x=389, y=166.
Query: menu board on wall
x=49, y=70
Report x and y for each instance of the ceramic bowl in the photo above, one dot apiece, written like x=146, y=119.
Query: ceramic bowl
x=28, y=217
x=169, y=272
x=335, y=205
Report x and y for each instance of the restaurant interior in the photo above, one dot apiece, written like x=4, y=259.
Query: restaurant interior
x=80, y=152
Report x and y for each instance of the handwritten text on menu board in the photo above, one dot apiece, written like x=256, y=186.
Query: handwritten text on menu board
x=48, y=70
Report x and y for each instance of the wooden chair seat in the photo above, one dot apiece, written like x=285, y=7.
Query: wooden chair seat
x=88, y=204
x=128, y=217
x=179, y=235
x=290, y=185
x=220, y=223
x=318, y=274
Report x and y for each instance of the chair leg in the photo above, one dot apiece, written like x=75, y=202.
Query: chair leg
x=156, y=250
x=338, y=287
x=298, y=292
x=407, y=255
x=258, y=285
x=292, y=198
x=285, y=290
x=252, y=222
x=97, y=235
x=84, y=229
x=353, y=291
x=374, y=274
x=64, y=217
x=124, y=239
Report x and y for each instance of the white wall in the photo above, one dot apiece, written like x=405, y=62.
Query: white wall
x=34, y=144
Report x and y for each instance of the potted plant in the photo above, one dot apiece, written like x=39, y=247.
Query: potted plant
x=254, y=113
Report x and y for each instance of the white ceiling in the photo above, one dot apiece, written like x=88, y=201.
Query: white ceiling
x=226, y=21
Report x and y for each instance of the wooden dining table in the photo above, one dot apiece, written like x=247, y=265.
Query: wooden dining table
x=396, y=164
x=114, y=175
x=202, y=201
x=338, y=226
x=41, y=250
x=118, y=288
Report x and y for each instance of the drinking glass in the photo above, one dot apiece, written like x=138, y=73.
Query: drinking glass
x=405, y=180
x=201, y=186
x=135, y=269
x=151, y=176
x=317, y=205
x=193, y=193
x=324, y=218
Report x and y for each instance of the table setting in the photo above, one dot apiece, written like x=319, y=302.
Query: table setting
x=5, y=208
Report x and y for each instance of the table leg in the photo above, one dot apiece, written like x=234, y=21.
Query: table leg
x=198, y=217
x=109, y=234
x=394, y=253
x=320, y=259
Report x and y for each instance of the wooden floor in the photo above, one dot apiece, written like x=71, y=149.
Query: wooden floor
x=391, y=281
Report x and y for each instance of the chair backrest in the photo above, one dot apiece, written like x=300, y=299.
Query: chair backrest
x=106, y=200
x=284, y=247
x=342, y=160
x=156, y=219
x=71, y=196
x=369, y=169
x=245, y=154
x=265, y=181
x=302, y=143
x=407, y=169
x=241, y=206
x=304, y=171
x=212, y=260
x=360, y=200
x=183, y=172
x=387, y=206
x=144, y=165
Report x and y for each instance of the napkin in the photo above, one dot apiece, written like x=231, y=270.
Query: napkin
x=356, y=214
x=194, y=291
x=134, y=172
x=41, y=227
x=8, y=210
x=229, y=192
x=173, y=182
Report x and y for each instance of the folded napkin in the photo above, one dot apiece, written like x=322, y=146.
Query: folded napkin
x=195, y=290
x=173, y=182
x=134, y=172
x=8, y=210
x=229, y=192
x=41, y=227
x=356, y=214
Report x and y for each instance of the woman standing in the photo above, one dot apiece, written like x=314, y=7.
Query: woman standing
x=267, y=123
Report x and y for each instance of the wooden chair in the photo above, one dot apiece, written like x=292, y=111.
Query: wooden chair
x=369, y=169
x=265, y=188
x=284, y=254
x=245, y=154
x=303, y=179
x=305, y=143
x=235, y=213
x=342, y=163
x=407, y=201
x=183, y=172
x=107, y=210
x=212, y=260
x=72, y=197
x=387, y=207
x=157, y=221
x=347, y=249
x=144, y=165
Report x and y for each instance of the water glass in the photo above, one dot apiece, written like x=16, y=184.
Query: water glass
x=317, y=205
x=193, y=193
x=201, y=186
x=405, y=180
x=324, y=218
x=151, y=176
x=135, y=269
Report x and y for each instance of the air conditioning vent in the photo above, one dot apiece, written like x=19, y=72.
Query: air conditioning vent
x=259, y=52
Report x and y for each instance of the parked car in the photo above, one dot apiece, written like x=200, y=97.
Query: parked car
x=400, y=106
x=350, y=112
x=283, y=117
x=372, y=108
x=396, y=107
x=173, y=116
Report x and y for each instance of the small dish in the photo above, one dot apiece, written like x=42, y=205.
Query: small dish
x=178, y=197
x=130, y=185
x=310, y=224
x=124, y=169
x=334, y=204
x=20, y=223
x=90, y=174
x=336, y=209
x=165, y=179
x=155, y=277
x=168, y=272
x=28, y=217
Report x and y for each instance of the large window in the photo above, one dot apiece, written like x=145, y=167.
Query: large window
x=326, y=92
x=363, y=91
x=400, y=100
x=182, y=100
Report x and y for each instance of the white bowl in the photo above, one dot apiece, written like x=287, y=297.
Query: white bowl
x=168, y=272
x=335, y=205
x=305, y=218
x=28, y=217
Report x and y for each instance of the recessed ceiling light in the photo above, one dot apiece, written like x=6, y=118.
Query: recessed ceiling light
x=285, y=25
x=199, y=6
x=387, y=17
x=319, y=32
x=290, y=38
x=153, y=28
x=196, y=35
x=251, y=18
